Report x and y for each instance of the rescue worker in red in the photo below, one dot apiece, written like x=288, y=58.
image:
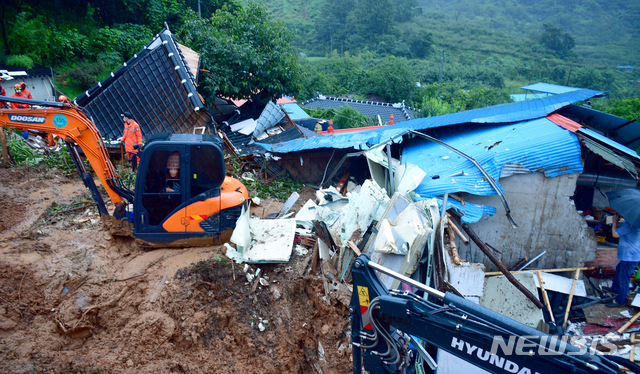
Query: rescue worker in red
x=131, y=137
x=18, y=89
x=25, y=92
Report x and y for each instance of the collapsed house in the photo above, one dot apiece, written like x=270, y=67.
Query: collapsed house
x=535, y=148
x=157, y=85
x=274, y=123
x=446, y=200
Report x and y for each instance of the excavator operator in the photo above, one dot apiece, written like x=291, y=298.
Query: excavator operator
x=173, y=173
x=132, y=136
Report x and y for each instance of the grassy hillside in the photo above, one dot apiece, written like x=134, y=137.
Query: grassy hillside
x=605, y=32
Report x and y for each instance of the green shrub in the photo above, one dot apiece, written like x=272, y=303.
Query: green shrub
x=22, y=154
x=85, y=75
x=22, y=61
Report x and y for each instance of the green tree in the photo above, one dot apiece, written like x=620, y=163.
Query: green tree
x=420, y=42
x=560, y=42
x=626, y=108
x=405, y=10
x=373, y=18
x=244, y=52
x=332, y=25
x=439, y=99
x=393, y=79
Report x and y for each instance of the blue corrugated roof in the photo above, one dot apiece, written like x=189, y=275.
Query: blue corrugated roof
x=548, y=88
x=538, y=145
x=294, y=111
x=504, y=113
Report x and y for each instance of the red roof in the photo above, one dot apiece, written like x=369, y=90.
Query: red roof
x=564, y=122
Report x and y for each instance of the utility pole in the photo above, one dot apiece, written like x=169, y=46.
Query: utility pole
x=569, y=77
x=441, y=68
x=199, y=13
x=331, y=51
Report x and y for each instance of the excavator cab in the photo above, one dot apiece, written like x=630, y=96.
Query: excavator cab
x=182, y=197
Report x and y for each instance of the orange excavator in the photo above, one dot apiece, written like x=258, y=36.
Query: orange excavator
x=194, y=204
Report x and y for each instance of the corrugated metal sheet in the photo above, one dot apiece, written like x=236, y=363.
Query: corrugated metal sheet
x=504, y=113
x=608, y=154
x=538, y=145
x=548, y=88
x=610, y=143
x=564, y=122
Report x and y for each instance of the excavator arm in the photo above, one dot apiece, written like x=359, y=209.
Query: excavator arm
x=385, y=324
x=76, y=128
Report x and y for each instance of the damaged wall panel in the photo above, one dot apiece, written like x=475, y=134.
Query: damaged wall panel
x=547, y=220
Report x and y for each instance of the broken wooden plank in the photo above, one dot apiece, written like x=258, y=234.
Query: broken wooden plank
x=354, y=247
x=626, y=325
x=568, y=309
x=488, y=274
x=453, y=249
x=545, y=297
x=457, y=230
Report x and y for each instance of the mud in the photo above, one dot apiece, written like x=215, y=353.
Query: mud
x=73, y=299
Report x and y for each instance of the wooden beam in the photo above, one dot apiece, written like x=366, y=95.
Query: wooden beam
x=573, y=287
x=488, y=274
x=626, y=325
x=545, y=297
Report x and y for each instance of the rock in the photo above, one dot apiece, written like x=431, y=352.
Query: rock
x=261, y=326
x=276, y=294
x=129, y=363
x=264, y=282
x=325, y=329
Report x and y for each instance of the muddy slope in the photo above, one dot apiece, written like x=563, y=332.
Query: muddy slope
x=75, y=300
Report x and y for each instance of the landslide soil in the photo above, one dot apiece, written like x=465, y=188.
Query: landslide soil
x=74, y=299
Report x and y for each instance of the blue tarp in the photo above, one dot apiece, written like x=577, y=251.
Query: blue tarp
x=504, y=113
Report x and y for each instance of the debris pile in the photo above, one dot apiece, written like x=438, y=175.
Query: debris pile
x=420, y=239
